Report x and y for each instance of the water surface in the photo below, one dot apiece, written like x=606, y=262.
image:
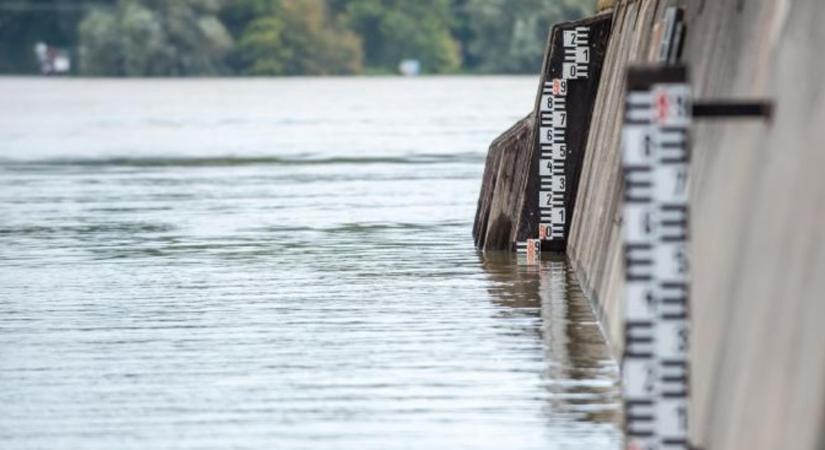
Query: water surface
x=277, y=264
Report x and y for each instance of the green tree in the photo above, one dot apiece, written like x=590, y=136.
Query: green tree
x=23, y=23
x=394, y=30
x=100, y=52
x=198, y=37
x=236, y=15
x=507, y=36
x=154, y=38
x=299, y=38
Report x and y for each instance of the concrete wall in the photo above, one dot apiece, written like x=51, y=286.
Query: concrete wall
x=502, y=188
x=758, y=217
x=508, y=204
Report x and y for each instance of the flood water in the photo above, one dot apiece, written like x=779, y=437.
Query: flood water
x=277, y=264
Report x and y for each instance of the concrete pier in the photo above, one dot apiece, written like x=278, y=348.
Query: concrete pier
x=509, y=206
x=757, y=230
x=758, y=217
x=502, y=186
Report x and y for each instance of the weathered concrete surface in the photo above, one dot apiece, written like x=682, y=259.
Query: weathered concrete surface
x=758, y=217
x=503, y=185
x=580, y=98
x=508, y=205
x=594, y=246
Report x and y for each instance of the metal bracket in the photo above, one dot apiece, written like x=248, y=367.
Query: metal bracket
x=732, y=109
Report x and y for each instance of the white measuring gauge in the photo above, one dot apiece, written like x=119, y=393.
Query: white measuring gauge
x=576, y=53
x=553, y=160
x=655, y=364
x=553, y=120
x=529, y=250
x=552, y=140
x=670, y=142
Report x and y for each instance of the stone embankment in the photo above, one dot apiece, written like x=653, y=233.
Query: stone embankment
x=757, y=229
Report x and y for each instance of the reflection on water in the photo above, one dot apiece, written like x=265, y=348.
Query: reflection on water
x=277, y=264
x=580, y=373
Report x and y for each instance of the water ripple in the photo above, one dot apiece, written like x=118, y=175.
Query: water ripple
x=303, y=300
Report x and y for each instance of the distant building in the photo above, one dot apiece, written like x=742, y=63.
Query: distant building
x=410, y=67
x=53, y=61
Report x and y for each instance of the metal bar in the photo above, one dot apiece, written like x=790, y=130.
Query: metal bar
x=732, y=109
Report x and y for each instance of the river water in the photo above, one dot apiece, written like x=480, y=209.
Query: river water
x=277, y=264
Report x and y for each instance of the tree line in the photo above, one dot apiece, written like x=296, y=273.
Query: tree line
x=282, y=37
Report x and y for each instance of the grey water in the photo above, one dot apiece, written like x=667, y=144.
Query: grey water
x=281, y=264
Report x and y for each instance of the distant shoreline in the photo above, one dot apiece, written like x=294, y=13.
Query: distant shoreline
x=295, y=77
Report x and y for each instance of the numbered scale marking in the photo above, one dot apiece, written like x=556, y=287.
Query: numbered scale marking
x=576, y=53
x=553, y=119
x=553, y=160
x=530, y=250
x=655, y=159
